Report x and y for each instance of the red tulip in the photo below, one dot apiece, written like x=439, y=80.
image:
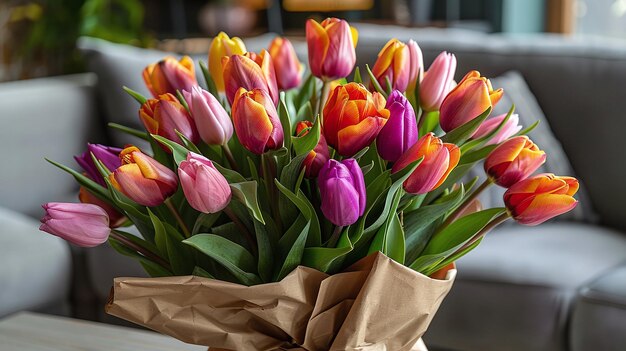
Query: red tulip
x=286, y=64
x=165, y=115
x=331, y=48
x=256, y=121
x=250, y=71
x=316, y=157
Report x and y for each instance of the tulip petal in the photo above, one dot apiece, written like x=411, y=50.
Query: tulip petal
x=543, y=207
x=142, y=190
x=354, y=138
x=318, y=43
x=341, y=202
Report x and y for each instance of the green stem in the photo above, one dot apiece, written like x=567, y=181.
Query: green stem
x=243, y=228
x=230, y=158
x=453, y=216
x=494, y=223
x=269, y=174
x=140, y=249
x=332, y=242
x=177, y=216
x=323, y=97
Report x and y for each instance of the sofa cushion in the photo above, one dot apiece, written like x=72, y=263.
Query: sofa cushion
x=47, y=117
x=36, y=267
x=514, y=292
x=599, y=316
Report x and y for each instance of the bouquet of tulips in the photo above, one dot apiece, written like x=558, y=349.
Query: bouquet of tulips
x=313, y=214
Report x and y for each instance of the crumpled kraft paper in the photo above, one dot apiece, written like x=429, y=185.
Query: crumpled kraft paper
x=377, y=304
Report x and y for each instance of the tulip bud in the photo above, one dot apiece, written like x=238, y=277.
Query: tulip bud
x=342, y=191
x=204, y=186
x=286, y=64
x=169, y=75
x=352, y=118
x=250, y=72
x=510, y=128
x=400, y=131
x=394, y=64
x=222, y=46
x=143, y=179
x=513, y=161
x=467, y=101
x=437, y=81
x=109, y=156
x=439, y=160
x=331, y=47
x=165, y=115
x=316, y=157
x=256, y=121
x=116, y=218
x=85, y=225
x=535, y=200
x=416, y=61
x=212, y=121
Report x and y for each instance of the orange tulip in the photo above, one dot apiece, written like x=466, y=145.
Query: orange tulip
x=256, y=121
x=250, y=71
x=513, y=161
x=221, y=46
x=143, y=179
x=352, y=118
x=393, y=63
x=286, y=64
x=165, y=115
x=331, y=46
x=467, y=101
x=169, y=75
x=439, y=160
x=535, y=200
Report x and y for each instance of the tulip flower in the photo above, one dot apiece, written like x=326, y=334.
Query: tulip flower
x=400, y=131
x=513, y=161
x=212, y=121
x=222, y=46
x=108, y=155
x=393, y=64
x=416, y=60
x=116, y=218
x=165, y=115
x=535, y=200
x=510, y=128
x=169, y=75
x=331, y=47
x=352, y=118
x=437, y=81
x=316, y=157
x=250, y=71
x=204, y=186
x=256, y=121
x=85, y=225
x=143, y=179
x=342, y=191
x=471, y=97
x=439, y=160
x=286, y=64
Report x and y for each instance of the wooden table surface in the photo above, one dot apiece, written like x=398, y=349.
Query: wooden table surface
x=27, y=331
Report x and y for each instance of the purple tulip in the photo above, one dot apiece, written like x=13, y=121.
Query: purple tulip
x=342, y=189
x=204, y=186
x=85, y=225
x=212, y=121
x=109, y=156
x=400, y=131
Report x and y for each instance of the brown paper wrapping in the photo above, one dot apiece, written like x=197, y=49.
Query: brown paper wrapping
x=376, y=304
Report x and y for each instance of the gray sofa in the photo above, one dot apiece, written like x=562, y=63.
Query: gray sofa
x=559, y=286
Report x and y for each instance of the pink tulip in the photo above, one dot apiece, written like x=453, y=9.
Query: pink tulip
x=286, y=64
x=510, y=128
x=165, y=115
x=212, y=121
x=85, y=225
x=204, y=186
x=437, y=81
x=331, y=46
x=416, y=60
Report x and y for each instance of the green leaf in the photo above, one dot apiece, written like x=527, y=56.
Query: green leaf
x=429, y=122
x=205, y=221
x=308, y=211
x=211, y=87
x=390, y=237
x=189, y=145
x=302, y=145
x=375, y=82
x=130, y=131
x=95, y=188
x=179, y=152
x=230, y=175
x=529, y=129
x=323, y=258
x=199, y=272
x=285, y=120
x=476, y=142
x=137, y=96
x=289, y=178
x=306, y=91
x=266, y=251
x=169, y=243
x=294, y=256
x=153, y=269
x=305, y=113
x=182, y=101
x=460, y=134
x=357, y=76
x=246, y=193
x=476, y=155
x=233, y=257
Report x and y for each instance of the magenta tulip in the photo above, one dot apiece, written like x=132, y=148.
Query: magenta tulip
x=400, y=131
x=85, y=225
x=510, y=128
x=342, y=190
x=204, y=186
x=109, y=156
x=437, y=81
x=212, y=121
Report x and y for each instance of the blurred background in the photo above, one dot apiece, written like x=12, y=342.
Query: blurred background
x=37, y=37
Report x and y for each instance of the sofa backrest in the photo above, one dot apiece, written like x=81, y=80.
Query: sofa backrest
x=48, y=117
